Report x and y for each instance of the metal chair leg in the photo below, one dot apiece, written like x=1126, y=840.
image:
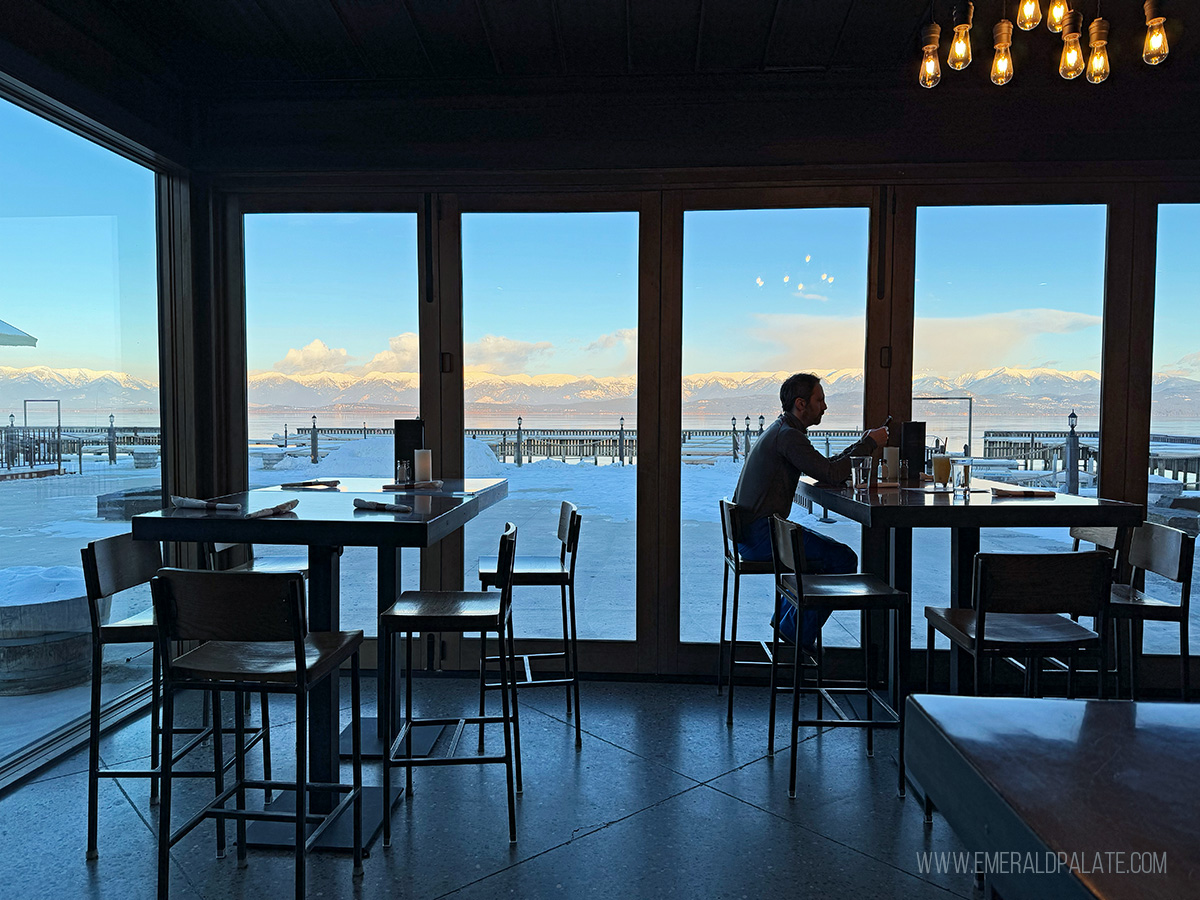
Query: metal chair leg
x=575, y=667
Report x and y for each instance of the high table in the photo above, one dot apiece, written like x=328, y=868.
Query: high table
x=326, y=521
x=1064, y=799
x=889, y=515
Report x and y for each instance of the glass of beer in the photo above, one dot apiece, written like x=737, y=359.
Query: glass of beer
x=941, y=470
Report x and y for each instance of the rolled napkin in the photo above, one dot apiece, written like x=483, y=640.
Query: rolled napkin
x=316, y=483
x=426, y=486
x=1021, y=492
x=273, y=510
x=375, y=505
x=211, y=505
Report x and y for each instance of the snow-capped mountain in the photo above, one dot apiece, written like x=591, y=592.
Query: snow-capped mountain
x=1004, y=391
x=77, y=389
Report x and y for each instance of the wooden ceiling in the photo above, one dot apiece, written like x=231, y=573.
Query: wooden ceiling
x=216, y=45
x=721, y=81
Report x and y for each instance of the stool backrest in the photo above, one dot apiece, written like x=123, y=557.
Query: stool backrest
x=569, y=521
x=221, y=556
x=729, y=528
x=505, y=558
x=117, y=564
x=787, y=551
x=1075, y=584
x=1163, y=550
x=193, y=605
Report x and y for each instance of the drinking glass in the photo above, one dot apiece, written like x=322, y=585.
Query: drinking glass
x=964, y=477
x=860, y=472
x=941, y=470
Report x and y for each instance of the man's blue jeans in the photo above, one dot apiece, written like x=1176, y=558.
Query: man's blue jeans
x=822, y=556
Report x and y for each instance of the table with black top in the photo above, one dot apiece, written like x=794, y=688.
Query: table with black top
x=1064, y=799
x=889, y=515
x=325, y=521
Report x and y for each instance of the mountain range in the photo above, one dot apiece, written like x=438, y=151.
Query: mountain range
x=1004, y=391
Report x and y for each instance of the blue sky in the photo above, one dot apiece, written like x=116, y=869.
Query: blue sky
x=557, y=293
x=77, y=255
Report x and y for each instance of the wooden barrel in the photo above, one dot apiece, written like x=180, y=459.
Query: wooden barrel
x=45, y=639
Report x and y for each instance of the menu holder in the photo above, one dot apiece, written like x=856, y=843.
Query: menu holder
x=410, y=437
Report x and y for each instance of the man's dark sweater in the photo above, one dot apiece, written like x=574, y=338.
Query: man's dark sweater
x=781, y=455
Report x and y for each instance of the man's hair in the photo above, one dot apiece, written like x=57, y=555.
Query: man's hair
x=797, y=387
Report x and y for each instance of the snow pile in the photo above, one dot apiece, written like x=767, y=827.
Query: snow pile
x=26, y=585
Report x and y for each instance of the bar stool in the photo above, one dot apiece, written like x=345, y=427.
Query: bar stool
x=1169, y=553
x=220, y=557
x=544, y=570
x=861, y=592
x=482, y=612
x=254, y=636
x=110, y=566
x=731, y=537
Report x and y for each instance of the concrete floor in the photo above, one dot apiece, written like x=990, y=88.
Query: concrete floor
x=663, y=800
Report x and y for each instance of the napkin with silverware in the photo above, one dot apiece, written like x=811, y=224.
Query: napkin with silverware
x=377, y=506
x=1021, y=492
x=211, y=505
x=278, y=510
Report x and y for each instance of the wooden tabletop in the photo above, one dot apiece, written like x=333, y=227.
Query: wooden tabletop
x=1098, y=791
x=925, y=507
x=328, y=516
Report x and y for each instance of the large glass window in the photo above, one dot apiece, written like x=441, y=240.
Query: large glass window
x=331, y=344
x=1006, y=346
x=80, y=447
x=1175, y=409
x=550, y=315
x=766, y=292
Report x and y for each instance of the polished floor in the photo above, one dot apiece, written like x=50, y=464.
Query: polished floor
x=663, y=800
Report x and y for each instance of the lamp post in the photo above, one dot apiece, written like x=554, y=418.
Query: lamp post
x=621, y=442
x=762, y=420
x=112, y=440
x=733, y=426
x=747, y=435
x=517, y=454
x=315, y=457
x=1072, y=455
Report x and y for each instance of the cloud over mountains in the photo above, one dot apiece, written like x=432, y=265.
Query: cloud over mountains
x=1004, y=391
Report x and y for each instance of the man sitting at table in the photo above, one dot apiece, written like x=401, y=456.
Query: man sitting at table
x=767, y=487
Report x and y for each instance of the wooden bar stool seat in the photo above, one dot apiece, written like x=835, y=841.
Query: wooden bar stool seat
x=483, y=612
x=110, y=567
x=856, y=592
x=253, y=639
x=546, y=571
x=737, y=567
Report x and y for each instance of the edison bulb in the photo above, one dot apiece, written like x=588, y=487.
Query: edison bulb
x=931, y=70
x=960, y=48
x=1056, y=15
x=1097, y=67
x=1029, y=15
x=1002, y=66
x=1070, y=64
x=1155, y=49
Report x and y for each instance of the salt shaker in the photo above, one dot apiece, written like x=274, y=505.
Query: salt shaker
x=903, y=471
x=402, y=472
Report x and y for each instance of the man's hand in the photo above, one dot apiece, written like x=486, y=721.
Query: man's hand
x=879, y=435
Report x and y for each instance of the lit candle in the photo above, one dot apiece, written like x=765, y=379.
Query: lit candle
x=424, y=465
